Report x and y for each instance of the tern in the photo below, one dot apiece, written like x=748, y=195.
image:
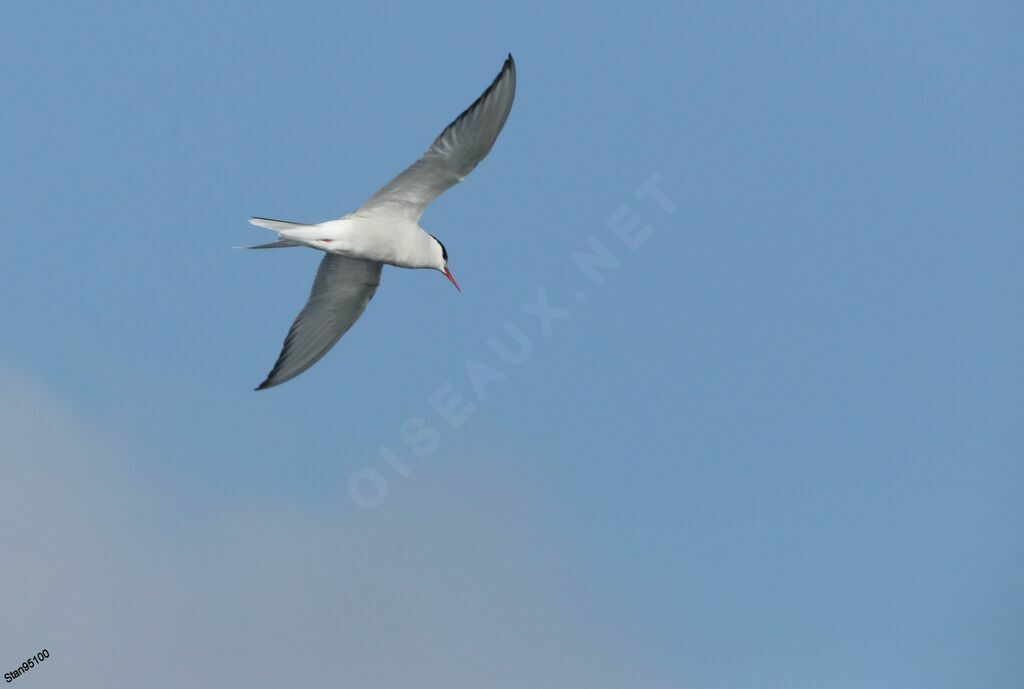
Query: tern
x=385, y=230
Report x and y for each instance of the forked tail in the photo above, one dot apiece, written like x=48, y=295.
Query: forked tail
x=277, y=226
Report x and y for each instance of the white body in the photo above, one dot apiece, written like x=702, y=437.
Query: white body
x=394, y=241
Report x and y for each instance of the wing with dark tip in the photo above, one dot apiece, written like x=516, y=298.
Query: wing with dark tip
x=342, y=289
x=452, y=156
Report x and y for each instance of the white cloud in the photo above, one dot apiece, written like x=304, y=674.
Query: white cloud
x=451, y=584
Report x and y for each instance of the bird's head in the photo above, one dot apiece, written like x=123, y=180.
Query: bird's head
x=442, y=262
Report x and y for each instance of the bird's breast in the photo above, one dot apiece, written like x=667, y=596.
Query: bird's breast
x=398, y=244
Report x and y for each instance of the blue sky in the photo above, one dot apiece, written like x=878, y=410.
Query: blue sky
x=779, y=445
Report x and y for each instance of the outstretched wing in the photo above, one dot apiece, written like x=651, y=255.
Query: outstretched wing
x=452, y=156
x=342, y=289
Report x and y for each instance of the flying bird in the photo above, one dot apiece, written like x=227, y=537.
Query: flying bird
x=385, y=230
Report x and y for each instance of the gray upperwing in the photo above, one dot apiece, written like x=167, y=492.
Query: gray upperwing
x=453, y=155
x=342, y=289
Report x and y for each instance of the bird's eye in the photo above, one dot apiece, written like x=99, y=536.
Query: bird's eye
x=444, y=252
